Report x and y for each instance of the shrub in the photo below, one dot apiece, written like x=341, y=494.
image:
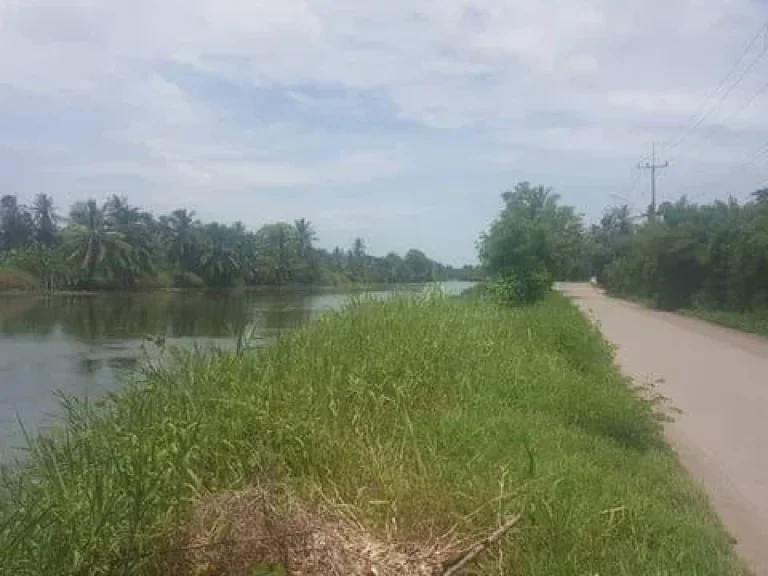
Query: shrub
x=157, y=281
x=187, y=280
x=16, y=280
x=520, y=288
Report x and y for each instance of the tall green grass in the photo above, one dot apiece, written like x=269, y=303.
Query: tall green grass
x=424, y=414
x=755, y=322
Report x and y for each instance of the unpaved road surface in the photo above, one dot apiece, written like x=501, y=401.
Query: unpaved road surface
x=719, y=379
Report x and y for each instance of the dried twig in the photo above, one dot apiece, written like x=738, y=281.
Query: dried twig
x=453, y=567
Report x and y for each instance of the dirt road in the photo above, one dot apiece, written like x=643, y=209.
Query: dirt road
x=719, y=379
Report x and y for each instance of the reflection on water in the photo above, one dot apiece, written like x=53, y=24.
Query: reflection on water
x=85, y=344
x=103, y=317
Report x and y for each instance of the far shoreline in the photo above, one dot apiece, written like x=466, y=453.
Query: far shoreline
x=265, y=288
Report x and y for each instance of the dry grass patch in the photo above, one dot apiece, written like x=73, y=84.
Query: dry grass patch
x=251, y=532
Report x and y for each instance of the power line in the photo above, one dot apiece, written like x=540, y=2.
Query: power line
x=722, y=91
x=727, y=93
x=762, y=150
x=748, y=103
x=703, y=113
x=733, y=115
x=628, y=191
x=631, y=193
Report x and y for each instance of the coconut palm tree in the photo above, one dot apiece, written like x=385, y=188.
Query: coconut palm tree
x=15, y=223
x=136, y=228
x=218, y=257
x=309, y=270
x=45, y=219
x=338, y=258
x=358, y=248
x=180, y=238
x=531, y=200
x=278, y=250
x=100, y=249
x=306, y=235
x=357, y=259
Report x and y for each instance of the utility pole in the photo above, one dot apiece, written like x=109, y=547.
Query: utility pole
x=652, y=166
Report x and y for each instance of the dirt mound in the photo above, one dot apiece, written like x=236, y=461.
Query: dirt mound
x=250, y=533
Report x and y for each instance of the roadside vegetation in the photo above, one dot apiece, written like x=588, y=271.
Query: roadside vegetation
x=755, y=321
x=705, y=260
x=535, y=237
x=708, y=260
x=422, y=416
x=118, y=246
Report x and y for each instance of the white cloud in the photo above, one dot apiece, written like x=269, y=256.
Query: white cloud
x=208, y=100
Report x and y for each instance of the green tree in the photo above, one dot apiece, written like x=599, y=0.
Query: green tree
x=358, y=260
x=138, y=230
x=712, y=256
x=760, y=195
x=610, y=239
x=117, y=245
x=219, y=263
x=532, y=241
x=418, y=267
x=45, y=220
x=15, y=224
x=278, y=253
x=181, y=239
x=101, y=252
x=306, y=236
x=532, y=233
x=395, y=269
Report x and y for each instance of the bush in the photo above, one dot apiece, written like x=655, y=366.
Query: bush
x=187, y=280
x=479, y=291
x=515, y=289
x=710, y=256
x=533, y=232
x=158, y=281
x=13, y=280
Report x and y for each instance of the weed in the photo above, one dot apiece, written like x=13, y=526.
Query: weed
x=755, y=322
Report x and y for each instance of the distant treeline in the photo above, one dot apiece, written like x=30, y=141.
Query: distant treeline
x=709, y=256
x=118, y=246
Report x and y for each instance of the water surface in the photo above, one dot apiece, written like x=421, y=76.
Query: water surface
x=85, y=345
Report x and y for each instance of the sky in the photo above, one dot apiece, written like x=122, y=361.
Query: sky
x=398, y=121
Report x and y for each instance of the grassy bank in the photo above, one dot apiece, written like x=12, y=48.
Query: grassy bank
x=423, y=416
x=754, y=322
x=13, y=280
